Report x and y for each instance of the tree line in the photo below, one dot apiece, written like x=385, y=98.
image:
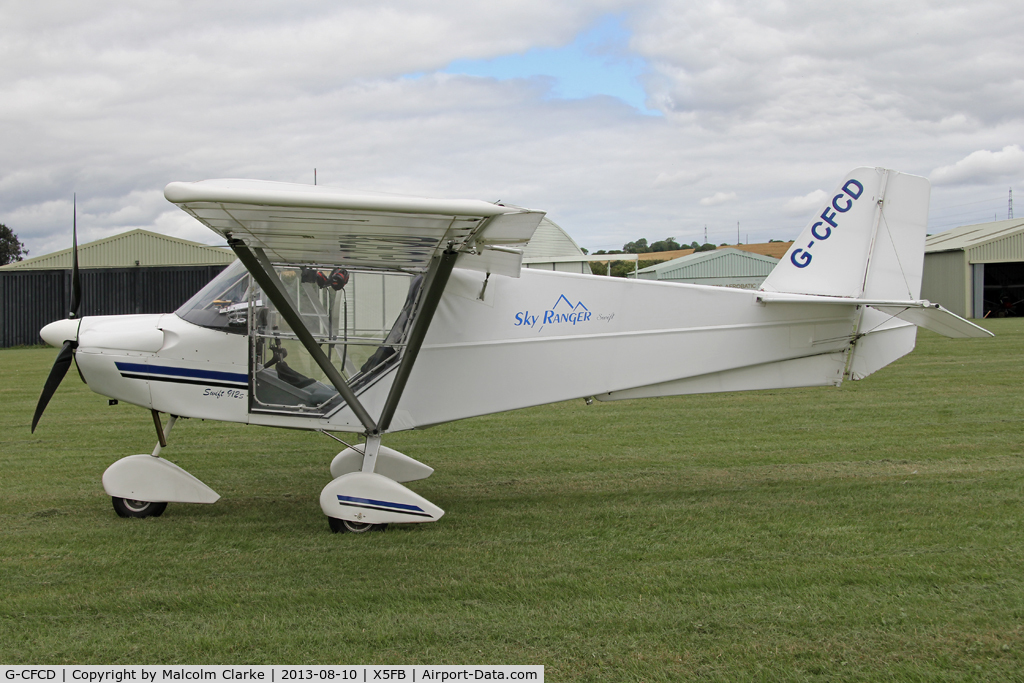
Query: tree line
x=668, y=244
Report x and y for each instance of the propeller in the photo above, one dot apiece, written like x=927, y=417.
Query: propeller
x=67, y=351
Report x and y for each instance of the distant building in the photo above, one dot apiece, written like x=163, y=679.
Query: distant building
x=725, y=267
x=774, y=249
x=551, y=248
x=977, y=271
x=133, y=249
x=134, y=272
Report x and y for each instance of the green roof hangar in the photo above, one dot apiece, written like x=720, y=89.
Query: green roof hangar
x=723, y=267
x=977, y=271
x=134, y=272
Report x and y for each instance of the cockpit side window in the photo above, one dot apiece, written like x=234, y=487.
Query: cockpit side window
x=223, y=304
x=359, y=318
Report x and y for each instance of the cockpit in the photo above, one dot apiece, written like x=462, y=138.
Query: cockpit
x=359, y=317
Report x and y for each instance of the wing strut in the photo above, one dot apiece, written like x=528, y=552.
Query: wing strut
x=419, y=331
x=262, y=271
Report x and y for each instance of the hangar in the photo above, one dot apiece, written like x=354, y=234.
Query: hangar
x=724, y=267
x=134, y=272
x=977, y=271
x=551, y=248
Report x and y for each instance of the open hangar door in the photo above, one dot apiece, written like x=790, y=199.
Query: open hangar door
x=1002, y=289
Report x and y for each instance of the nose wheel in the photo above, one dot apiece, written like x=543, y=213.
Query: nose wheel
x=126, y=507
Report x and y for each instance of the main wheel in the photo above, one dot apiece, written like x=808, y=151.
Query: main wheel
x=340, y=526
x=126, y=507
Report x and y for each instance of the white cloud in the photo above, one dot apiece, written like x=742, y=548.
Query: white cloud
x=770, y=100
x=681, y=177
x=718, y=198
x=799, y=206
x=982, y=166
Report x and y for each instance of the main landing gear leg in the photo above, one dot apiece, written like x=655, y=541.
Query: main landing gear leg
x=338, y=526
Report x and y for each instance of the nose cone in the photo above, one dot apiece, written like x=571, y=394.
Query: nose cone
x=59, y=331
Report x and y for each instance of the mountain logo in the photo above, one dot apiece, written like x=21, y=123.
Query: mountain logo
x=563, y=312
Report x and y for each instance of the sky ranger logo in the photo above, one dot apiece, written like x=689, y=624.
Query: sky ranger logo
x=564, y=312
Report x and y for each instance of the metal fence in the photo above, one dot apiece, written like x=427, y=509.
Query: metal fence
x=29, y=299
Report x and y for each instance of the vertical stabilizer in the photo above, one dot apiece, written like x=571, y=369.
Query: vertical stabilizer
x=867, y=241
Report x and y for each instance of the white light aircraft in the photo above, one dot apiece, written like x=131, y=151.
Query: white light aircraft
x=373, y=313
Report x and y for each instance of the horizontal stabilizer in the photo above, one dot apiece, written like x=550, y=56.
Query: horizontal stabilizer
x=938, y=319
x=921, y=312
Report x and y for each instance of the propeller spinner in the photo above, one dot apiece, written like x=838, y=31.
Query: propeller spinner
x=63, y=330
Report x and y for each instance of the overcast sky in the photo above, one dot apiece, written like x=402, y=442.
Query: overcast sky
x=620, y=119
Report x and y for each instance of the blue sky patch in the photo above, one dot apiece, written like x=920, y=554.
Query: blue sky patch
x=597, y=62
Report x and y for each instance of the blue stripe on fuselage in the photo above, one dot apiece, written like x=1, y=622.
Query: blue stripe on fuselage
x=183, y=372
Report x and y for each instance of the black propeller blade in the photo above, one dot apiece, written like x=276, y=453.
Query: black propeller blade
x=76, y=283
x=57, y=372
x=67, y=352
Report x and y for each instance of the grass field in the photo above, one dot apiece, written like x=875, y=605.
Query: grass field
x=871, y=532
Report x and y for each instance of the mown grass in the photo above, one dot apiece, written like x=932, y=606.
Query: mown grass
x=872, y=532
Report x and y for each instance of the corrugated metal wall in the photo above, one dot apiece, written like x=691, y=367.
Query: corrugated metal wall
x=726, y=266
x=1000, y=251
x=562, y=267
x=946, y=281
x=131, y=249
x=28, y=301
x=550, y=240
x=32, y=298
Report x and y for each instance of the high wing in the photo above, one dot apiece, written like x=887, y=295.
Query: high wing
x=268, y=224
x=309, y=224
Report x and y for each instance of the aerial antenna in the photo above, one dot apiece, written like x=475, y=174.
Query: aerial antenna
x=1009, y=210
x=705, y=233
x=737, y=233
x=314, y=176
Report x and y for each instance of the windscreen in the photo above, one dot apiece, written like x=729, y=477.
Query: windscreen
x=223, y=304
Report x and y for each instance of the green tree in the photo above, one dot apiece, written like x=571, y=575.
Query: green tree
x=11, y=249
x=622, y=268
x=638, y=247
x=667, y=244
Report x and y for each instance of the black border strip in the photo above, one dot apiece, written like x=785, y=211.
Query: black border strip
x=175, y=380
